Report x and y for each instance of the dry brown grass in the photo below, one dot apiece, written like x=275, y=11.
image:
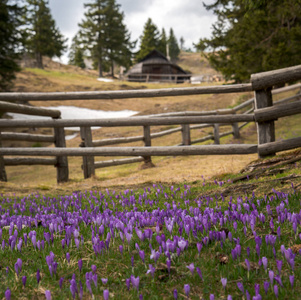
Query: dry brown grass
x=56, y=77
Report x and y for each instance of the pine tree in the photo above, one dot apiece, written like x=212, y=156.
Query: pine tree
x=43, y=37
x=182, y=42
x=149, y=40
x=253, y=36
x=105, y=36
x=163, y=42
x=10, y=42
x=174, y=49
x=76, y=53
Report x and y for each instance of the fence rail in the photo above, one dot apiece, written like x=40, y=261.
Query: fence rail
x=264, y=113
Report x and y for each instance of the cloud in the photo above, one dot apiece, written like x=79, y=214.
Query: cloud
x=189, y=19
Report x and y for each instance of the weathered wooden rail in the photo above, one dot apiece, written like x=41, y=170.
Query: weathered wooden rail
x=264, y=115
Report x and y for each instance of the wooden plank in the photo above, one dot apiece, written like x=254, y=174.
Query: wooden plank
x=114, y=141
x=137, y=121
x=279, y=111
x=134, y=151
x=244, y=104
x=29, y=110
x=117, y=162
x=88, y=161
x=265, y=129
x=186, y=139
x=194, y=113
x=298, y=97
x=270, y=148
x=12, y=136
x=165, y=132
x=3, y=176
x=29, y=161
x=62, y=161
x=108, y=95
x=281, y=76
x=203, y=139
x=286, y=89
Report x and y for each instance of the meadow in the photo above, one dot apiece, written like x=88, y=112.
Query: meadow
x=156, y=242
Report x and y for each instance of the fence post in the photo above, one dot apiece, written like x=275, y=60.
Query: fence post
x=216, y=134
x=186, y=139
x=3, y=176
x=88, y=161
x=147, y=142
x=265, y=130
x=235, y=129
x=62, y=170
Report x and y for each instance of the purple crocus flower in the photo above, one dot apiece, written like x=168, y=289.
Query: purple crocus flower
x=104, y=280
x=106, y=294
x=211, y=297
x=61, y=282
x=88, y=285
x=142, y=255
x=240, y=286
x=248, y=264
x=48, y=295
x=276, y=290
x=7, y=294
x=68, y=257
x=271, y=275
x=265, y=263
x=38, y=276
x=292, y=278
x=135, y=282
x=128, y=283
x=257, y=289
x=175, y=294
x=229, y=297
x=80, y=264
x=199, y=272
x=224, y=282
x=187, y=289
x=151, y=270
x=279, y=265
x=73, y=288
x=191, y=268
x=248, y=296
x=121, y=249
x=24, y=278
x=266, y=286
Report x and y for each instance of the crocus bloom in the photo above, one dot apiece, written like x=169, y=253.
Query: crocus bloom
x=175, y=294
x=151, y=270
x=265, y=262
x=276, y=290
x=187, y=289
x=211, y=297
x=271, y=275
x=266, y=285
x=61, y=282
x=248, y=264
x=94, y=268
x=38, y=276
x=135, y=282
x=121, y=249
x=191, y=268
x=128, y=283
x=104, y=280
x=7, y=294
x=224, y=282
x=68, y=256
x=279, y=265
x=257, y=289
x=106, y=294
x=292, y=278
x=142, y=255
x=48, y=295
x=24, y=278
x=229, y=297
x=240, y=286
x=80, y=264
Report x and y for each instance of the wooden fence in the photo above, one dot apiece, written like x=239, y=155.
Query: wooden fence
x=264, y=114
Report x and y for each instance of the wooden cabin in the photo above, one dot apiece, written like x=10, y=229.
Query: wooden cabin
x=155, y=67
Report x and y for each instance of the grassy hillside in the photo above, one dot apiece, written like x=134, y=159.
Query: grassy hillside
x=57, y=77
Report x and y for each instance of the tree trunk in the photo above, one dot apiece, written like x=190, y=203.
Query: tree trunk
x=39, y=59
x=100, y=68
x=112, y=68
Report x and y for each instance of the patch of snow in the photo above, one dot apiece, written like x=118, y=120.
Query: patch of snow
x=105, y=79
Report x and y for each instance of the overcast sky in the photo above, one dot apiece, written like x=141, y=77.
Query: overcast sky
x=189, y=19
